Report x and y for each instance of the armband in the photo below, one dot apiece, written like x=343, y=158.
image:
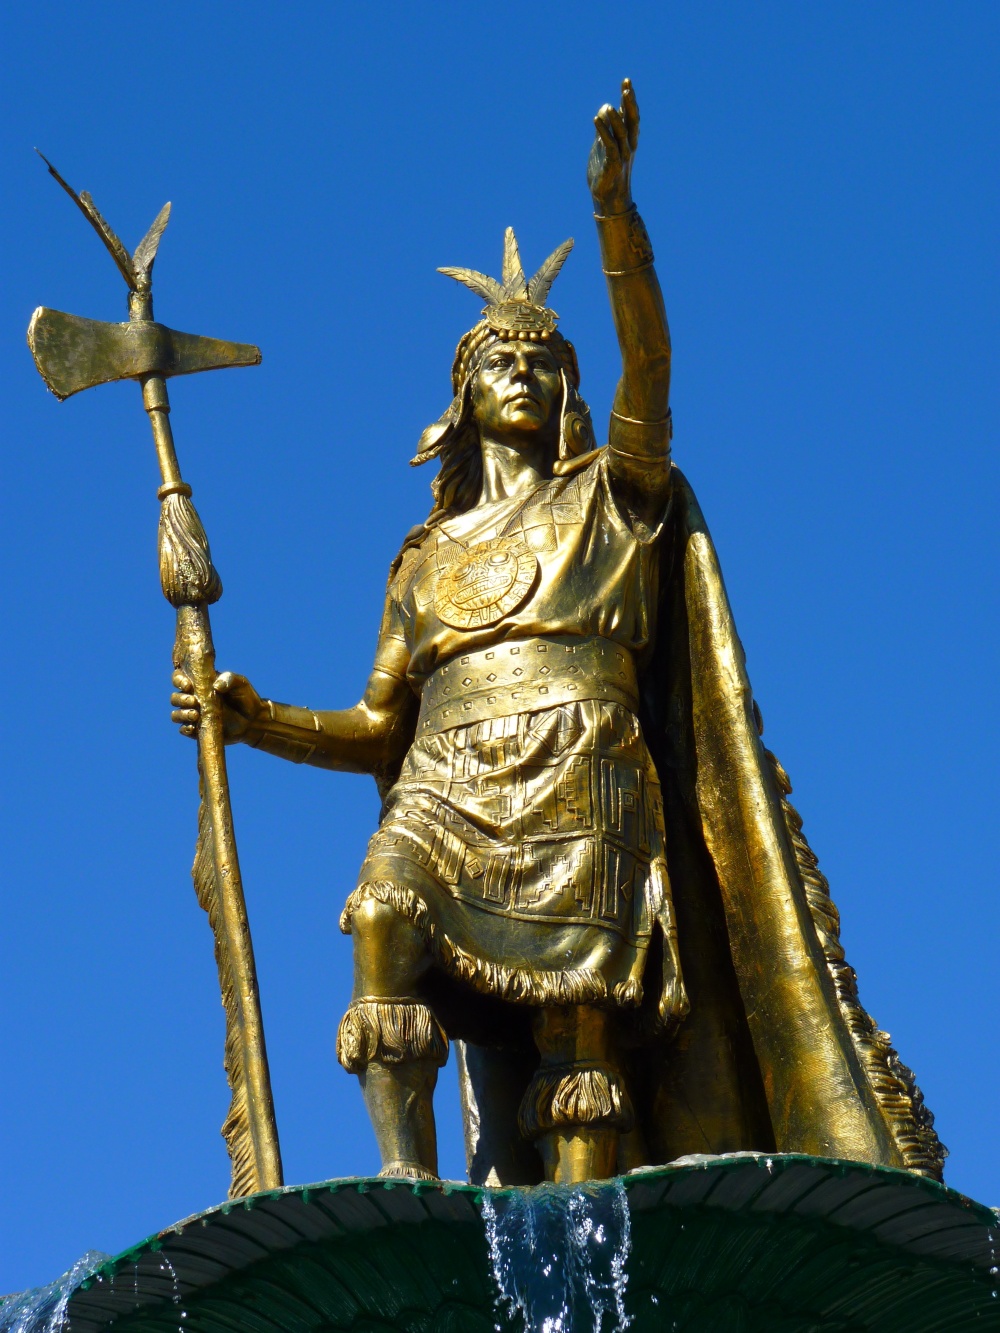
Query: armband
x=642, y=441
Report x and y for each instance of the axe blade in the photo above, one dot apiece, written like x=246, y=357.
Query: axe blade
x=72, y=353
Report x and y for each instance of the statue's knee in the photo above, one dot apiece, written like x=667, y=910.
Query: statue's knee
x=374, y=922
x=390, y=950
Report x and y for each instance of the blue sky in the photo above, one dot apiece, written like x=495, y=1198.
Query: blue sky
x=820, y=183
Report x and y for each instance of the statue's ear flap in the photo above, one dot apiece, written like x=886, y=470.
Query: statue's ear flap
x=576, y=433
x=436, y=436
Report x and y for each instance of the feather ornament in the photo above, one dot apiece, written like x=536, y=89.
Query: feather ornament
x=515, y=305
x=89, y=210
x=540, y=285
x=488, y=288
x=118, y=252
x=236, y=1128
x=514, y=286
x=145, y=251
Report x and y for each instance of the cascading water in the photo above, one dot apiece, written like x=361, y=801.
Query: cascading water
x=559, y=1254
x=43, y=1309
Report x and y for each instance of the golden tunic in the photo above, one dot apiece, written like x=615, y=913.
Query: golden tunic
x=525, y=832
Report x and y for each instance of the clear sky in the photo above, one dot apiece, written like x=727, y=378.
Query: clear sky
x=820, y=183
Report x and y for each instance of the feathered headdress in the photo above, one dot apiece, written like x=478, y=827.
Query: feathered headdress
x=515, y=306
x=515, y=310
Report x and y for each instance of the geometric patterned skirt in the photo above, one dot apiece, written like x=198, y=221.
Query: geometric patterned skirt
x=530, y=850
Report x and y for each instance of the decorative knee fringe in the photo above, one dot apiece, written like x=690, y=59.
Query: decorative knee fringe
x=389, y=1032
x=574, y=1095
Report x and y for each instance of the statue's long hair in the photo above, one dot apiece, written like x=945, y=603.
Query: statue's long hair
x=459, y=479
x=454, y=438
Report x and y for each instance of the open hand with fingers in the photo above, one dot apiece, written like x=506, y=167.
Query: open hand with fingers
x=242, y=707
x=609, y=171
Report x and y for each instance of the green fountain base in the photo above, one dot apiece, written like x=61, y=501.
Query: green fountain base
x=736, y=1244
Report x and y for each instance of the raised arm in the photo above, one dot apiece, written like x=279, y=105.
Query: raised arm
x=639, y=434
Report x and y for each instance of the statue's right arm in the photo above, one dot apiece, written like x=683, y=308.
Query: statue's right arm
x=372, y=737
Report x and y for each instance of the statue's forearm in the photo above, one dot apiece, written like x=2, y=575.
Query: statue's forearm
x=364, y=739
x=639, y=315
x=639, y=433
x=340, y=739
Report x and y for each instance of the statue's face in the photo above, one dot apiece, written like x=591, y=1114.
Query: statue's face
x=517, y=391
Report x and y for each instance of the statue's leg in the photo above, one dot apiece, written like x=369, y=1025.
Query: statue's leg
x=392, y=1040
x=492, y=1082
x=576, y=1106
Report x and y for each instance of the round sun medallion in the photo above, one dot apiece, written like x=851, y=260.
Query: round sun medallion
x=485, y=583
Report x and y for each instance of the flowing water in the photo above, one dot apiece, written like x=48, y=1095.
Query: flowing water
x=559, y=1255
x=43, y=1309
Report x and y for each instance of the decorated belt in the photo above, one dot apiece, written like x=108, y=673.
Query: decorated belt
x=523, y=675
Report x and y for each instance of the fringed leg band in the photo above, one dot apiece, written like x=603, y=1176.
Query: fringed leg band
x=389, y=1032
x=565, y=1095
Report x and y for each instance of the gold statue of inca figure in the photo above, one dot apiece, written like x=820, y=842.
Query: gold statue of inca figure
x=586, y=872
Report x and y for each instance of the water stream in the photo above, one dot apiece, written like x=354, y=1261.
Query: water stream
x=43, y=1309
x=559, y=1255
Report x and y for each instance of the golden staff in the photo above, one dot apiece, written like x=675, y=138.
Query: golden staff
x=73, y=354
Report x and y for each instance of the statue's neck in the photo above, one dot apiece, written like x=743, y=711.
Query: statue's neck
x=513, y=468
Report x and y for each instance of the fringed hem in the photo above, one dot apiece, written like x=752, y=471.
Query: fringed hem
x=561, y=1097
x=895, y=1087
x=389, y=1032
x=406, y=1171
x=513, y=984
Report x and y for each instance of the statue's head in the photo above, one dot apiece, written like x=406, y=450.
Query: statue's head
x=514, y=376
x=516, y=394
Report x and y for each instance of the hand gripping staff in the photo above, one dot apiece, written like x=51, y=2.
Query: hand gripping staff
x=73, y=354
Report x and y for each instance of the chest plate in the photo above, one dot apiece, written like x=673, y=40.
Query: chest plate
x=485, y=583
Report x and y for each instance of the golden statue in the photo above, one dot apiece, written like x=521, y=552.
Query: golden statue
x=587, y=872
